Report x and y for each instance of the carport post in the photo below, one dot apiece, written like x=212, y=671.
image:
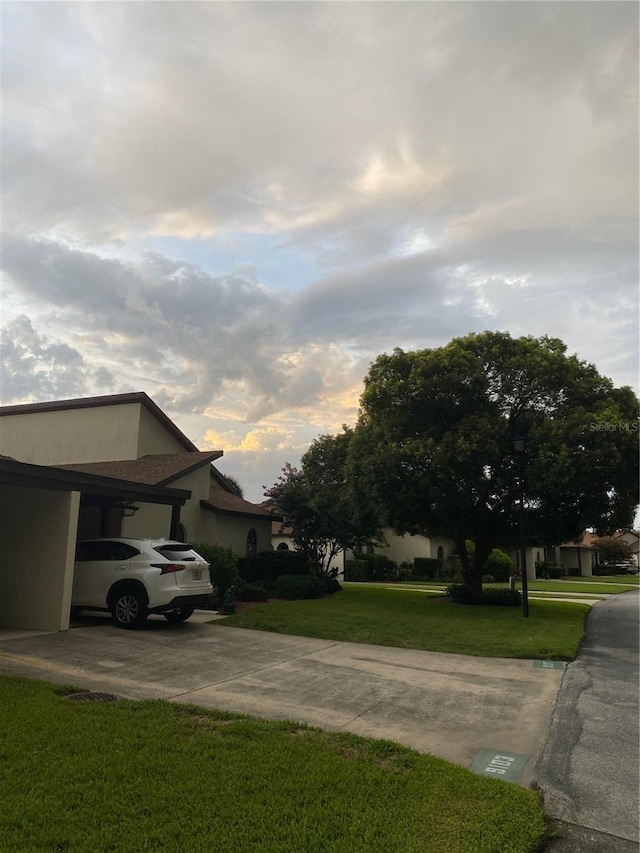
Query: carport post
x=174, y=533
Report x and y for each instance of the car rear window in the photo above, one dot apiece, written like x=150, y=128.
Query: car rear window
x=178, y=551
x=99, y=551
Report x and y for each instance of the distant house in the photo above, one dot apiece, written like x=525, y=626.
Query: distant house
x=168, y=488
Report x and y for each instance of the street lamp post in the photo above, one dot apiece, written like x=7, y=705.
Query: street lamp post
x=519, y=445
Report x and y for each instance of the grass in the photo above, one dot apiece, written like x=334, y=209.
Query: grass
x=408, y=619
x=591, y=586
x=127, y=777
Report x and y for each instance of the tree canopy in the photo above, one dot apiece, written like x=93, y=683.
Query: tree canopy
x=316, y=502
x=433, y=453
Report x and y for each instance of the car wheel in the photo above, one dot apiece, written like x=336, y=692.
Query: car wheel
x=128, y=608
x=179, y=615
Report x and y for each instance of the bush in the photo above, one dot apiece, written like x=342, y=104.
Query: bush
x=300, y=586
x=425, y=568
x=285, y=562
x=550, y=570
x=251, y=592
x=500, y=565
x=450, y=569
x=332, y=584
x=607, y=571
x=356, y=570
x=495, y=597
x=223, y=569
x=256, y=570
x=378, y=566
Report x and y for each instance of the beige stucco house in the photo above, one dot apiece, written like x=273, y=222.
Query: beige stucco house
x=106, y=466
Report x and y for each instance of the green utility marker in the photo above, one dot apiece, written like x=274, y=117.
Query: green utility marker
x=550, y=664
x=499, y=764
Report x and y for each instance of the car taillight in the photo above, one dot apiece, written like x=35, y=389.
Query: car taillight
x=165, y=568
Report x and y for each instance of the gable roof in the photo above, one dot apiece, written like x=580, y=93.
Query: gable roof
x=106, y=400
x=220, y=500
x=153, y=469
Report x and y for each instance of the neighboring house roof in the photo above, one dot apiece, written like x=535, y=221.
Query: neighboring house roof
x=14, y=473
x=588, y=540
x=221, y=500
x=106, y=400
x=280, y=529
x=154, y=469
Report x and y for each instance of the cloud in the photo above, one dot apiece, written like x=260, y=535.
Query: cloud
x=36, y=368
x=319, y=182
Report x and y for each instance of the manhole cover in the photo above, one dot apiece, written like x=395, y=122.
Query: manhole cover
x=92, y=697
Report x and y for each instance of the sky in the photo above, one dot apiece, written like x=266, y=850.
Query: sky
x=236, y=206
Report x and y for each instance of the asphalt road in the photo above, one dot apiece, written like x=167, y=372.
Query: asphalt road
x=589, y=769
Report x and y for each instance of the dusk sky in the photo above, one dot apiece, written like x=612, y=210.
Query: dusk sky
x=236, y=207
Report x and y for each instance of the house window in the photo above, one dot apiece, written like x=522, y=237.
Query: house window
x=251, y=547
x=369, y=549
x=182, y=533
x=440, y=554
x=282, y=547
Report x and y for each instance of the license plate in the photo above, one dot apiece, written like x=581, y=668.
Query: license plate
x=196, y=575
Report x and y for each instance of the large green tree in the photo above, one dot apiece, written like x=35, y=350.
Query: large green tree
x=316, y=501
x=433, y=453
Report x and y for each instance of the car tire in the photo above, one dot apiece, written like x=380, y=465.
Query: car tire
x=128, y=608
x=179, y=615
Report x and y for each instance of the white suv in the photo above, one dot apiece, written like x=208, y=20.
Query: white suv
x=134, y=577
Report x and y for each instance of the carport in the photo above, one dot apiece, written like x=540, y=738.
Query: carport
x=39, y=512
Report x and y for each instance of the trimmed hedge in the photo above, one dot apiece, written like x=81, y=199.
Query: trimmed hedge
x=300, y=586
x=356, y=570
x=223, y=568
x=550, y=570
x=425, y=567
x=495, y=597
x=251, y=592
x=285, y=562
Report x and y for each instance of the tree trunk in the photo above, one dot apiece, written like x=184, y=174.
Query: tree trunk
x=469, y=579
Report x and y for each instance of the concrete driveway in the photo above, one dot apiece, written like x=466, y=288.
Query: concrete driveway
x=464, y=709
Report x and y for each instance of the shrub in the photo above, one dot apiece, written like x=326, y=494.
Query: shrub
x=550, y=570
x=450, y=569
x=607, y=571
x=502, y=597
x=223, y=569
x=378, y=566
x=251, y=592
x=332, y=584
x=495, y=597
x=500, y=565
x=300, y=586
x=256, y=570
x=356, y=570
x=285, y=562
x=425, y=568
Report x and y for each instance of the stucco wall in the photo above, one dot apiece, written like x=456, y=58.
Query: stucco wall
x=37, y=551
x=73, y=435
x=153, y=438
x=231, y=531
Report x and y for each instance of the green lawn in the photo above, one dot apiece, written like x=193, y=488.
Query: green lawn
x=411, y=619
x=592, y=586
x=127, y=777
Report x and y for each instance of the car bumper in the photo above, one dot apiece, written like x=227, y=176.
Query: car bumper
x=184, y=601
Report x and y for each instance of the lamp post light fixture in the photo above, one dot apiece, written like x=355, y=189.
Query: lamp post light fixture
x=519, y=445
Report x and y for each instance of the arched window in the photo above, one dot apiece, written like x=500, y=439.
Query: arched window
x=370, y=549
x=440, y=554
x=252, y=543
x=182, y=533
x=282, y=547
